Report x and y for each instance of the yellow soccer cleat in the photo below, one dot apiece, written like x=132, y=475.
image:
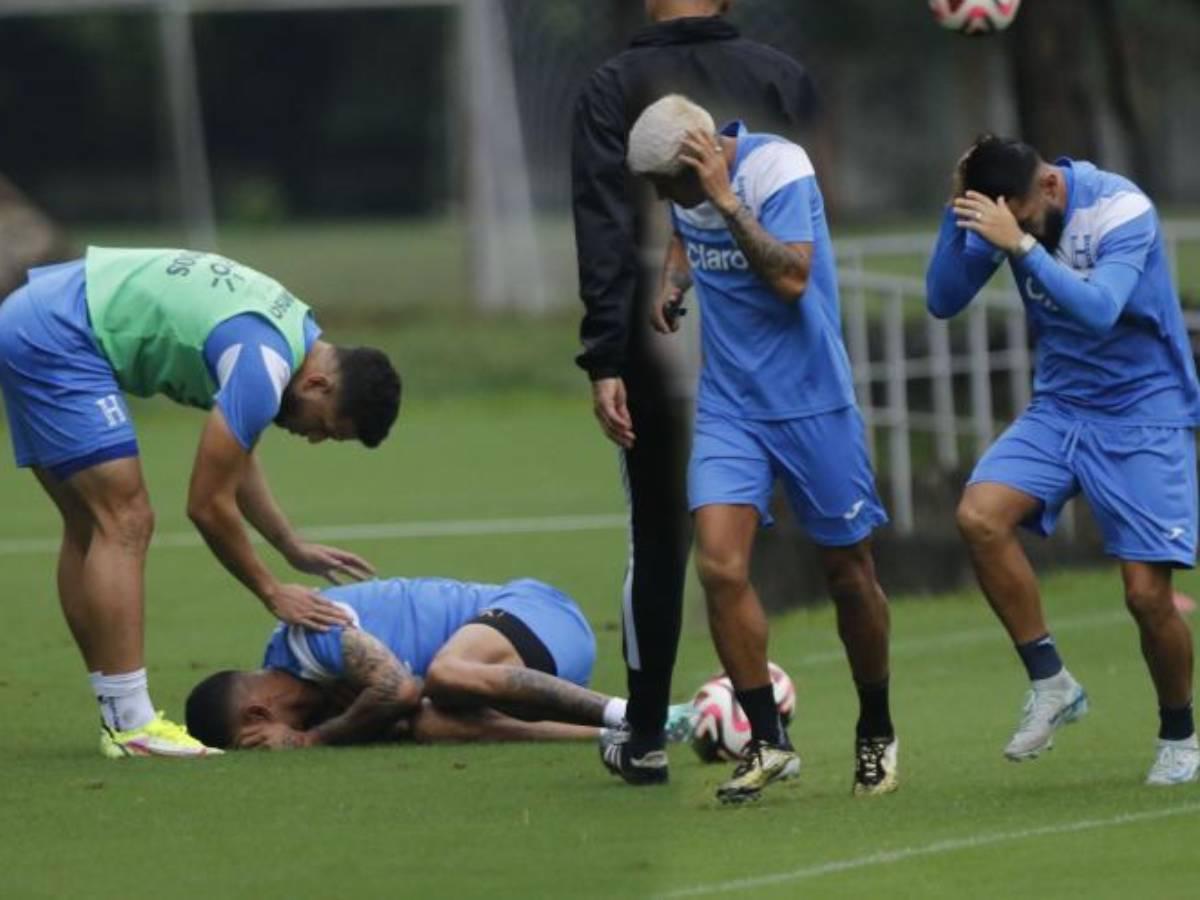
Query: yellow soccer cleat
x=158, y=737
x=763, y=764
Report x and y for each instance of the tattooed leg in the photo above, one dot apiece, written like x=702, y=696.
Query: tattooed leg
x=520, y=692
x=434, y=725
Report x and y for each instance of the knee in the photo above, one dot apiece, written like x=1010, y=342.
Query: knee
x=977, y=523
x=722, y=572
x=446, y=678
x=850, y=576
x=131, y=522
x=1147, y=603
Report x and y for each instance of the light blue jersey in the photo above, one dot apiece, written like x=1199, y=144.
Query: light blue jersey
x=413, y=617
x=765, y=358
x=1109, y=334
x=416, y=617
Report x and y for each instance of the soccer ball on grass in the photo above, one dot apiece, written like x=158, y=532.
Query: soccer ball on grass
x=722, y=730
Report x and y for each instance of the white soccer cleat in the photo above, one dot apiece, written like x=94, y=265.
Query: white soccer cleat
x=1177, y=762
x=1050, y=704
x=876, y=766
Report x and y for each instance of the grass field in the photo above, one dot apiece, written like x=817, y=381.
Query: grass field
x=545, y=821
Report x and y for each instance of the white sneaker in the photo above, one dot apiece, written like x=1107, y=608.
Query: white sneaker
x=1049, y=704
x=1177, y=762
x=876, y=769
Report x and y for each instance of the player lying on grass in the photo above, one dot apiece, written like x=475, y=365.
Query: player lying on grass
x=209, y=333
x=430, y=658
x=1113, y=416
x=775, y=402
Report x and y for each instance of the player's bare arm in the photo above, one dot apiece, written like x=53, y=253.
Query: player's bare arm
x=676, y=282
x=261, y=510
x=213, y=506
x=387, y=692
x=784, y=267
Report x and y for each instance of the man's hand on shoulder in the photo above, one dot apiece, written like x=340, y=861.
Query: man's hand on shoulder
x=296, y=604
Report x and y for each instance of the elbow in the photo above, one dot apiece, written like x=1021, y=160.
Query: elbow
x=791, y=287
x=1099, y=326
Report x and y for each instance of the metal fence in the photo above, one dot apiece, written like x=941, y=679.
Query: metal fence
x=918, y=378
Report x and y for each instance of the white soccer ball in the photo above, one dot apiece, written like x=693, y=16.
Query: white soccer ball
x=722, y=730
x=974, y=16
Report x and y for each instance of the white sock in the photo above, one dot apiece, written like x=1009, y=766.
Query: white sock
x=614, y=713
x=124, y=699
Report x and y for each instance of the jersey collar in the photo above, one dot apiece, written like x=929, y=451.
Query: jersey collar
x=690, y=30
x=1068, y=167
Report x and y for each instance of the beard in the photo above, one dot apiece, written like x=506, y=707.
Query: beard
x=1052, y=229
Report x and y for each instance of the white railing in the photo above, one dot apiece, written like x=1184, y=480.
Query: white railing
x=893, y=307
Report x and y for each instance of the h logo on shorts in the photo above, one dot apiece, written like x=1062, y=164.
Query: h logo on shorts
x=114, y=414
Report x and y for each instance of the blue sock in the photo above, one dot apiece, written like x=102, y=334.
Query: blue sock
x=1040, y=657
x=1176, y=724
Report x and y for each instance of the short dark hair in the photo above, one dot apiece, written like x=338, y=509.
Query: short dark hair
x=209, y=709
x=370, y=392
x=1000, y=167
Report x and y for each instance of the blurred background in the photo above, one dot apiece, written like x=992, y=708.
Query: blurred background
x=403, y=165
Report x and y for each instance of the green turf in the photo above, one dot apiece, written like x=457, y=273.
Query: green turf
x=545, y=821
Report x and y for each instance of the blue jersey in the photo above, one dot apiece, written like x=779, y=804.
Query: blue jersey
x=765, y=358
x=250, y=361
x=412, y=617
x=1108, y=330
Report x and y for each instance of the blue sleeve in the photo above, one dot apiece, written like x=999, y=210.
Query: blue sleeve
x=1129, y=243
x=958, y=268
x=250, y=361
x=311, y=655
x=1095, y=302
x=787, y=215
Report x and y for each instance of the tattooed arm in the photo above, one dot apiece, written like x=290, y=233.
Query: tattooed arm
x=784, y=267
x=676, y=281
x=387, y=691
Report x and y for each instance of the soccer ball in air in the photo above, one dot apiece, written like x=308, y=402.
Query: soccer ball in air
x=974, y=16
x=722, y=730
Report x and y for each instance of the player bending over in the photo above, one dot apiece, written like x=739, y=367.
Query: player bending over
x=427, y=657
x=206, y=332
x=1115, y=404
x=776, y=400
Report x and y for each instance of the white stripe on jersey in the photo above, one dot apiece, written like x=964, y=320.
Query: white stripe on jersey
x=278, y=371
x=765, y=170
x=226, y=362
x=1088, y=226
x=769, y=168
x=310, y=668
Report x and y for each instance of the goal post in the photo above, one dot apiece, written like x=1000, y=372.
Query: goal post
x=503, y=254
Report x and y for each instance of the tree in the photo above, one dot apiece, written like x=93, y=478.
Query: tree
x=1049, y=63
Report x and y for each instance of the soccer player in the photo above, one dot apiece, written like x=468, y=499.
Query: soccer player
x=775, y=401
x=690, y=48
x=206, y=332
x=429, y=657
x=1114, y=408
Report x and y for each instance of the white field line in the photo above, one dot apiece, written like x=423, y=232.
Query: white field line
x=888, y=857
x=377, y=531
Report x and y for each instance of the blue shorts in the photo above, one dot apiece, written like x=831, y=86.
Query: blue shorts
x=556, y=621
x=821, y=459
x=1140, y=480
x=65, y=409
